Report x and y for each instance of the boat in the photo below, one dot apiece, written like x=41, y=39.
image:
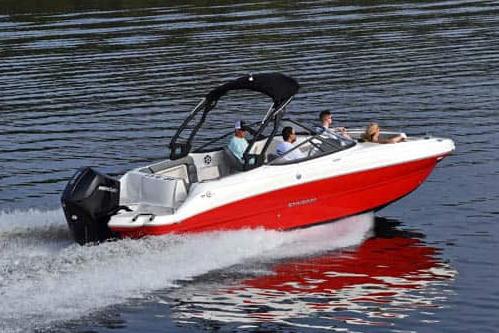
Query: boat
x=203, y=187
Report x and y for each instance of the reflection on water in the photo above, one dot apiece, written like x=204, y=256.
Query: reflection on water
x=390, y=276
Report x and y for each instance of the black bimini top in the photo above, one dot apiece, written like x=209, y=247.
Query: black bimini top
x=277, y=86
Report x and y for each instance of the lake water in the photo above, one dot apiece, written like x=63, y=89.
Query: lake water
x=106, y=83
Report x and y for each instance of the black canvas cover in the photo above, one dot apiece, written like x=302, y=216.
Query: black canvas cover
x=277, y=86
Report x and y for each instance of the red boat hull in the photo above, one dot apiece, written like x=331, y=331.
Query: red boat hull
x=305, y=204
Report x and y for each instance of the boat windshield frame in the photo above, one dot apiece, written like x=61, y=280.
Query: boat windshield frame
x=321, y=144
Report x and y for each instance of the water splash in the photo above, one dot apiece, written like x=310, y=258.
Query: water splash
x=46, y=278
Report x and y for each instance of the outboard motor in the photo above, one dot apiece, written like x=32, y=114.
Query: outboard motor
x=89, y=200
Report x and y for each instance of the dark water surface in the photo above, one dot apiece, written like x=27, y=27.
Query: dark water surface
x=106, y=83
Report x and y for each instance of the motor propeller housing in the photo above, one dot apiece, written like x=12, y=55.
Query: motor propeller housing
x=89, y=200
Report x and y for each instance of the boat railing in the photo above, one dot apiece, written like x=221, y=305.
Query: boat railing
x=356, y=133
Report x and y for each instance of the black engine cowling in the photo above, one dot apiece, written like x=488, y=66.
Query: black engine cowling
x=89, y=200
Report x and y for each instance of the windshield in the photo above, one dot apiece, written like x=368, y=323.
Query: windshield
x=309, y=145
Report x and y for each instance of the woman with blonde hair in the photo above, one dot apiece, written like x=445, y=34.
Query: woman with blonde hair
x=372, y=135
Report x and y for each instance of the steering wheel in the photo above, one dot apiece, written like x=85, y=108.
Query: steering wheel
x=311, y=150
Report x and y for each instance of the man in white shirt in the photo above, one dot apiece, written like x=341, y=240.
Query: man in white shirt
x=289, y=137
x=326, y=120
x=238, y=143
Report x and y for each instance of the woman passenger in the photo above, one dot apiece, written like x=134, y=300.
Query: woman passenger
x=372, y=135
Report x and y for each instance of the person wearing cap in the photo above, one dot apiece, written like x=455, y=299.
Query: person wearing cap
x=326, y=120
x=238, y=144
x=286, y=148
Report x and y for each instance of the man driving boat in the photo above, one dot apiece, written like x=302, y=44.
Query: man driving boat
x=238, y=144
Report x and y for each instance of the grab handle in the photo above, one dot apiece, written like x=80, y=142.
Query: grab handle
x=151, y=216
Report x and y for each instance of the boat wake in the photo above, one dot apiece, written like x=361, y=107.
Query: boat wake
x=46, y=278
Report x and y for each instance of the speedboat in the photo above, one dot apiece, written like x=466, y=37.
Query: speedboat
x=203, y=187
